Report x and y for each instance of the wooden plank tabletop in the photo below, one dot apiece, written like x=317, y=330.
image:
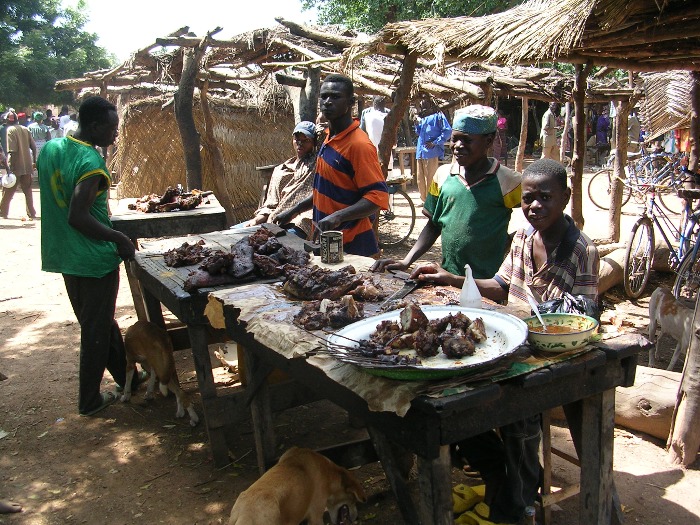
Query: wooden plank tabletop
x=207, y=217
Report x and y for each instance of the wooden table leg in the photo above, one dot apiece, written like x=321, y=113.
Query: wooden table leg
x=398, y=484
x=435, y=480
x=592, y=423
x=136, y=292
x=547, y=466
x=147, y=307
x=256, y=372
x=207, y=389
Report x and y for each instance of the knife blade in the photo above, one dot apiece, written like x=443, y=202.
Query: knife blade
x=408, y=286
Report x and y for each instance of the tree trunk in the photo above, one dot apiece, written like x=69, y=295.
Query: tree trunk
x=579, y=94
x=684, y=440
x=304, y=98
x=220, y=189
x=185, y=119
x=520, y=156
x=623, y=109
x=396, y=113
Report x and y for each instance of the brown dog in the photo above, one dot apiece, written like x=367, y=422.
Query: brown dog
x=672, y=318
x=150, y=345
x=300, y=487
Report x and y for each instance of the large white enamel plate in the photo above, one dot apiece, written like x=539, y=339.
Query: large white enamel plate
x=504, y=334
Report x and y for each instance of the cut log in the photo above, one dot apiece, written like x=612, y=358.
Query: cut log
x=647, y=406
x=610, y=272
x=612, y=265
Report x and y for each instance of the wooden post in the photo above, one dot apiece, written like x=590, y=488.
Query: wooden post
x=397, y=111
x=210, y=142
x=191, y=57
x=684, y=440
x=578, y=94
x=623, y=109
x=565, y=134
x=303, y=93
x=520, y=156
x=185, y=119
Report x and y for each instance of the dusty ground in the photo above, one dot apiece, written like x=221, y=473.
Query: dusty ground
x=136, y=463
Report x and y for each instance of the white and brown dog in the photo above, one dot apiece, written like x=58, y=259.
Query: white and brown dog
x=150, y=345
x=300, y=487
x=672, y=318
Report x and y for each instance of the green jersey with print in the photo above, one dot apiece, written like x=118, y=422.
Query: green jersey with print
x=473, y=220
x=62, y=164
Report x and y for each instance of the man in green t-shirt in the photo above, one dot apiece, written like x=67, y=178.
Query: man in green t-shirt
x=77, y=240
x=469, y=203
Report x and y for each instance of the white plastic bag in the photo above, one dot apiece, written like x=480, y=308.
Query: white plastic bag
x=470, y=296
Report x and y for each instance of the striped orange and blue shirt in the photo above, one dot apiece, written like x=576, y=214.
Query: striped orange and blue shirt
x=348, y=170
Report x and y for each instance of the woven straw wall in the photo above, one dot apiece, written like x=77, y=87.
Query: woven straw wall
x=150, y=158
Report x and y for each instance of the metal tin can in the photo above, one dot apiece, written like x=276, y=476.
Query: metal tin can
x=331, y=247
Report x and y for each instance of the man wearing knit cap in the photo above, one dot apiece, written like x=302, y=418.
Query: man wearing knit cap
x=40, y=131
x=469, y=204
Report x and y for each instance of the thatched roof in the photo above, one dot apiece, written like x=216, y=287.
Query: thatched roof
x=249, y=68
x=667, y=103
x=638, y=35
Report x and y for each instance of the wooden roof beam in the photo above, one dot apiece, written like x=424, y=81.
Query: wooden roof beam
x=460, y=86
x=316, y=35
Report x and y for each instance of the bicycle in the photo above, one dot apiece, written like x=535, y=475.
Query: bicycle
x=396, y=223
x=639, y=254
x=653, y=169
x=687, y=283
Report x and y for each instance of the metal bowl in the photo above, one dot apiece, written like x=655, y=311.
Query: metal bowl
x=582, y=329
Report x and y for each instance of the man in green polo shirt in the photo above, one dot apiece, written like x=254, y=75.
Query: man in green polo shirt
x=469, y=202
x=77, y=240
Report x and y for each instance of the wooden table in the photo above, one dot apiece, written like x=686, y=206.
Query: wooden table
x=409, y=151
x=207, y=217
x=584, y=385
x=162, y=284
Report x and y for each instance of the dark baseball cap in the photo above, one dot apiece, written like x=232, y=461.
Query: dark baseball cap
x=305, y=127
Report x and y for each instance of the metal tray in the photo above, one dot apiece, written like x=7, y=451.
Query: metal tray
x=505, y=333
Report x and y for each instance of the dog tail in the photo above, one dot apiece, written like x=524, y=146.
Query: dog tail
x=163, y=389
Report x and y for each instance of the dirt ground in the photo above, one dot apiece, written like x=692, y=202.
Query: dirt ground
x=137, y=463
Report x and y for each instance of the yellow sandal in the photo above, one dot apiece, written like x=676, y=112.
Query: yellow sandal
x=465, y=497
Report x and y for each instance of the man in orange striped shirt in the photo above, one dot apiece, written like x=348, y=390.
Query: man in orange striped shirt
x=349, y=186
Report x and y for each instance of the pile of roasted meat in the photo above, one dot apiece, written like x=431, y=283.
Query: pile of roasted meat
x=316, y=315
x=259, y=254
x=455, y=334
x=173, y=199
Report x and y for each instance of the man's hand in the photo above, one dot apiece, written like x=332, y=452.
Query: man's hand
x=388, y=264
x=125, y=248
x=434, y=274
x=284, y=218
x=329, y=222
x=429, y=145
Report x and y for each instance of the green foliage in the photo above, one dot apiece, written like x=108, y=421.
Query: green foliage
x=42, y=42
x=371, y=15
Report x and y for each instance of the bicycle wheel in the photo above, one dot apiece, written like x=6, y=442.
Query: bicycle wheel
x=685, y=289
x=600, y=189
x=396, y=223
x=638, y=257
x=668, y=197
